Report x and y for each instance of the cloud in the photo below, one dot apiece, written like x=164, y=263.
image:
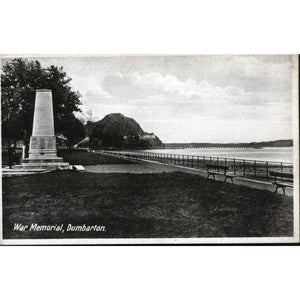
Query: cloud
x=97, y=95
x=165, y=96
x=150, y=85
x=257, y=73
x=202, y=97
x=248, y=97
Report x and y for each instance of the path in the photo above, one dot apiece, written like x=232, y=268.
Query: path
x=157, y=167
x=129, y=168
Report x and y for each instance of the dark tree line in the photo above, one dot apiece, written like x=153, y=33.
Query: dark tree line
x=20, y=79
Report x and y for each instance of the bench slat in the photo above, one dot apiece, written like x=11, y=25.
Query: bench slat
x=232, y=175
x=208, y=166
x=283, y=184
x=216, y=173
x=281, y=174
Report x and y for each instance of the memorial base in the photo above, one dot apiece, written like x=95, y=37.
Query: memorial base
x=43, y=154
x=42, y=146
x=52, y=163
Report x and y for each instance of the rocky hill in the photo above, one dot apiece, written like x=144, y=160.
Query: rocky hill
x=115, y=131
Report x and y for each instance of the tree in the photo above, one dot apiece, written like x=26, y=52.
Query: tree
x=19, y=81
x=74, y=130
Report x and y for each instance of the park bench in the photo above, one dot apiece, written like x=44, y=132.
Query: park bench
x=285, y=180
x=213, y=169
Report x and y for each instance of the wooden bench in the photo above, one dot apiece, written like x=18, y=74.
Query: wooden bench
x=286, y=180
x=213, y=170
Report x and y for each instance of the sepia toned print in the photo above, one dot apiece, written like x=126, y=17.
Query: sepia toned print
x=149, y=149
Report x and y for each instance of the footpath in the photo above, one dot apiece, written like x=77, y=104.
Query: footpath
x=163, y=167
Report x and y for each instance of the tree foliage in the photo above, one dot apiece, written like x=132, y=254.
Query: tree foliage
x=19, y=81
x=74, y=130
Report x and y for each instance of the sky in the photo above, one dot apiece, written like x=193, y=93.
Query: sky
x=205, y=98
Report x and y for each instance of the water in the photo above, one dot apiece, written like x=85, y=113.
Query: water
x=274, y=154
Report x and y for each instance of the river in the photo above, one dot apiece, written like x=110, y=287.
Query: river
x=274, y=154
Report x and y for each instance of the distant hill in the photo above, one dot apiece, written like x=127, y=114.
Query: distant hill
x=277, y=143
x=115, y=131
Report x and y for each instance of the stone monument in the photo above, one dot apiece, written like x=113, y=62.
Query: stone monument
x=42, y=147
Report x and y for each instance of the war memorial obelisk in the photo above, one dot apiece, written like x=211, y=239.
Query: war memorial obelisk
x=42, y=147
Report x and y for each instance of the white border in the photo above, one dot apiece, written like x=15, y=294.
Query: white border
x=154, y=241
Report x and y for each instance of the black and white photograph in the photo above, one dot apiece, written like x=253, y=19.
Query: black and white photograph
x=149, y=149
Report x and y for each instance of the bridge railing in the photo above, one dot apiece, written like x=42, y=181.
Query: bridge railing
x=242, y=167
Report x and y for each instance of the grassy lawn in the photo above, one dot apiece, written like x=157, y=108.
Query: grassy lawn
x=168, y=205
x=77, y=158
x=86, y=158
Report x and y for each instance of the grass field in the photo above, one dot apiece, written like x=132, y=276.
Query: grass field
x=76, y=158
x=167, y=205
x=86, y=158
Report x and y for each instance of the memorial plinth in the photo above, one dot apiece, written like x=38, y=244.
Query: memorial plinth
x=42, y=147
